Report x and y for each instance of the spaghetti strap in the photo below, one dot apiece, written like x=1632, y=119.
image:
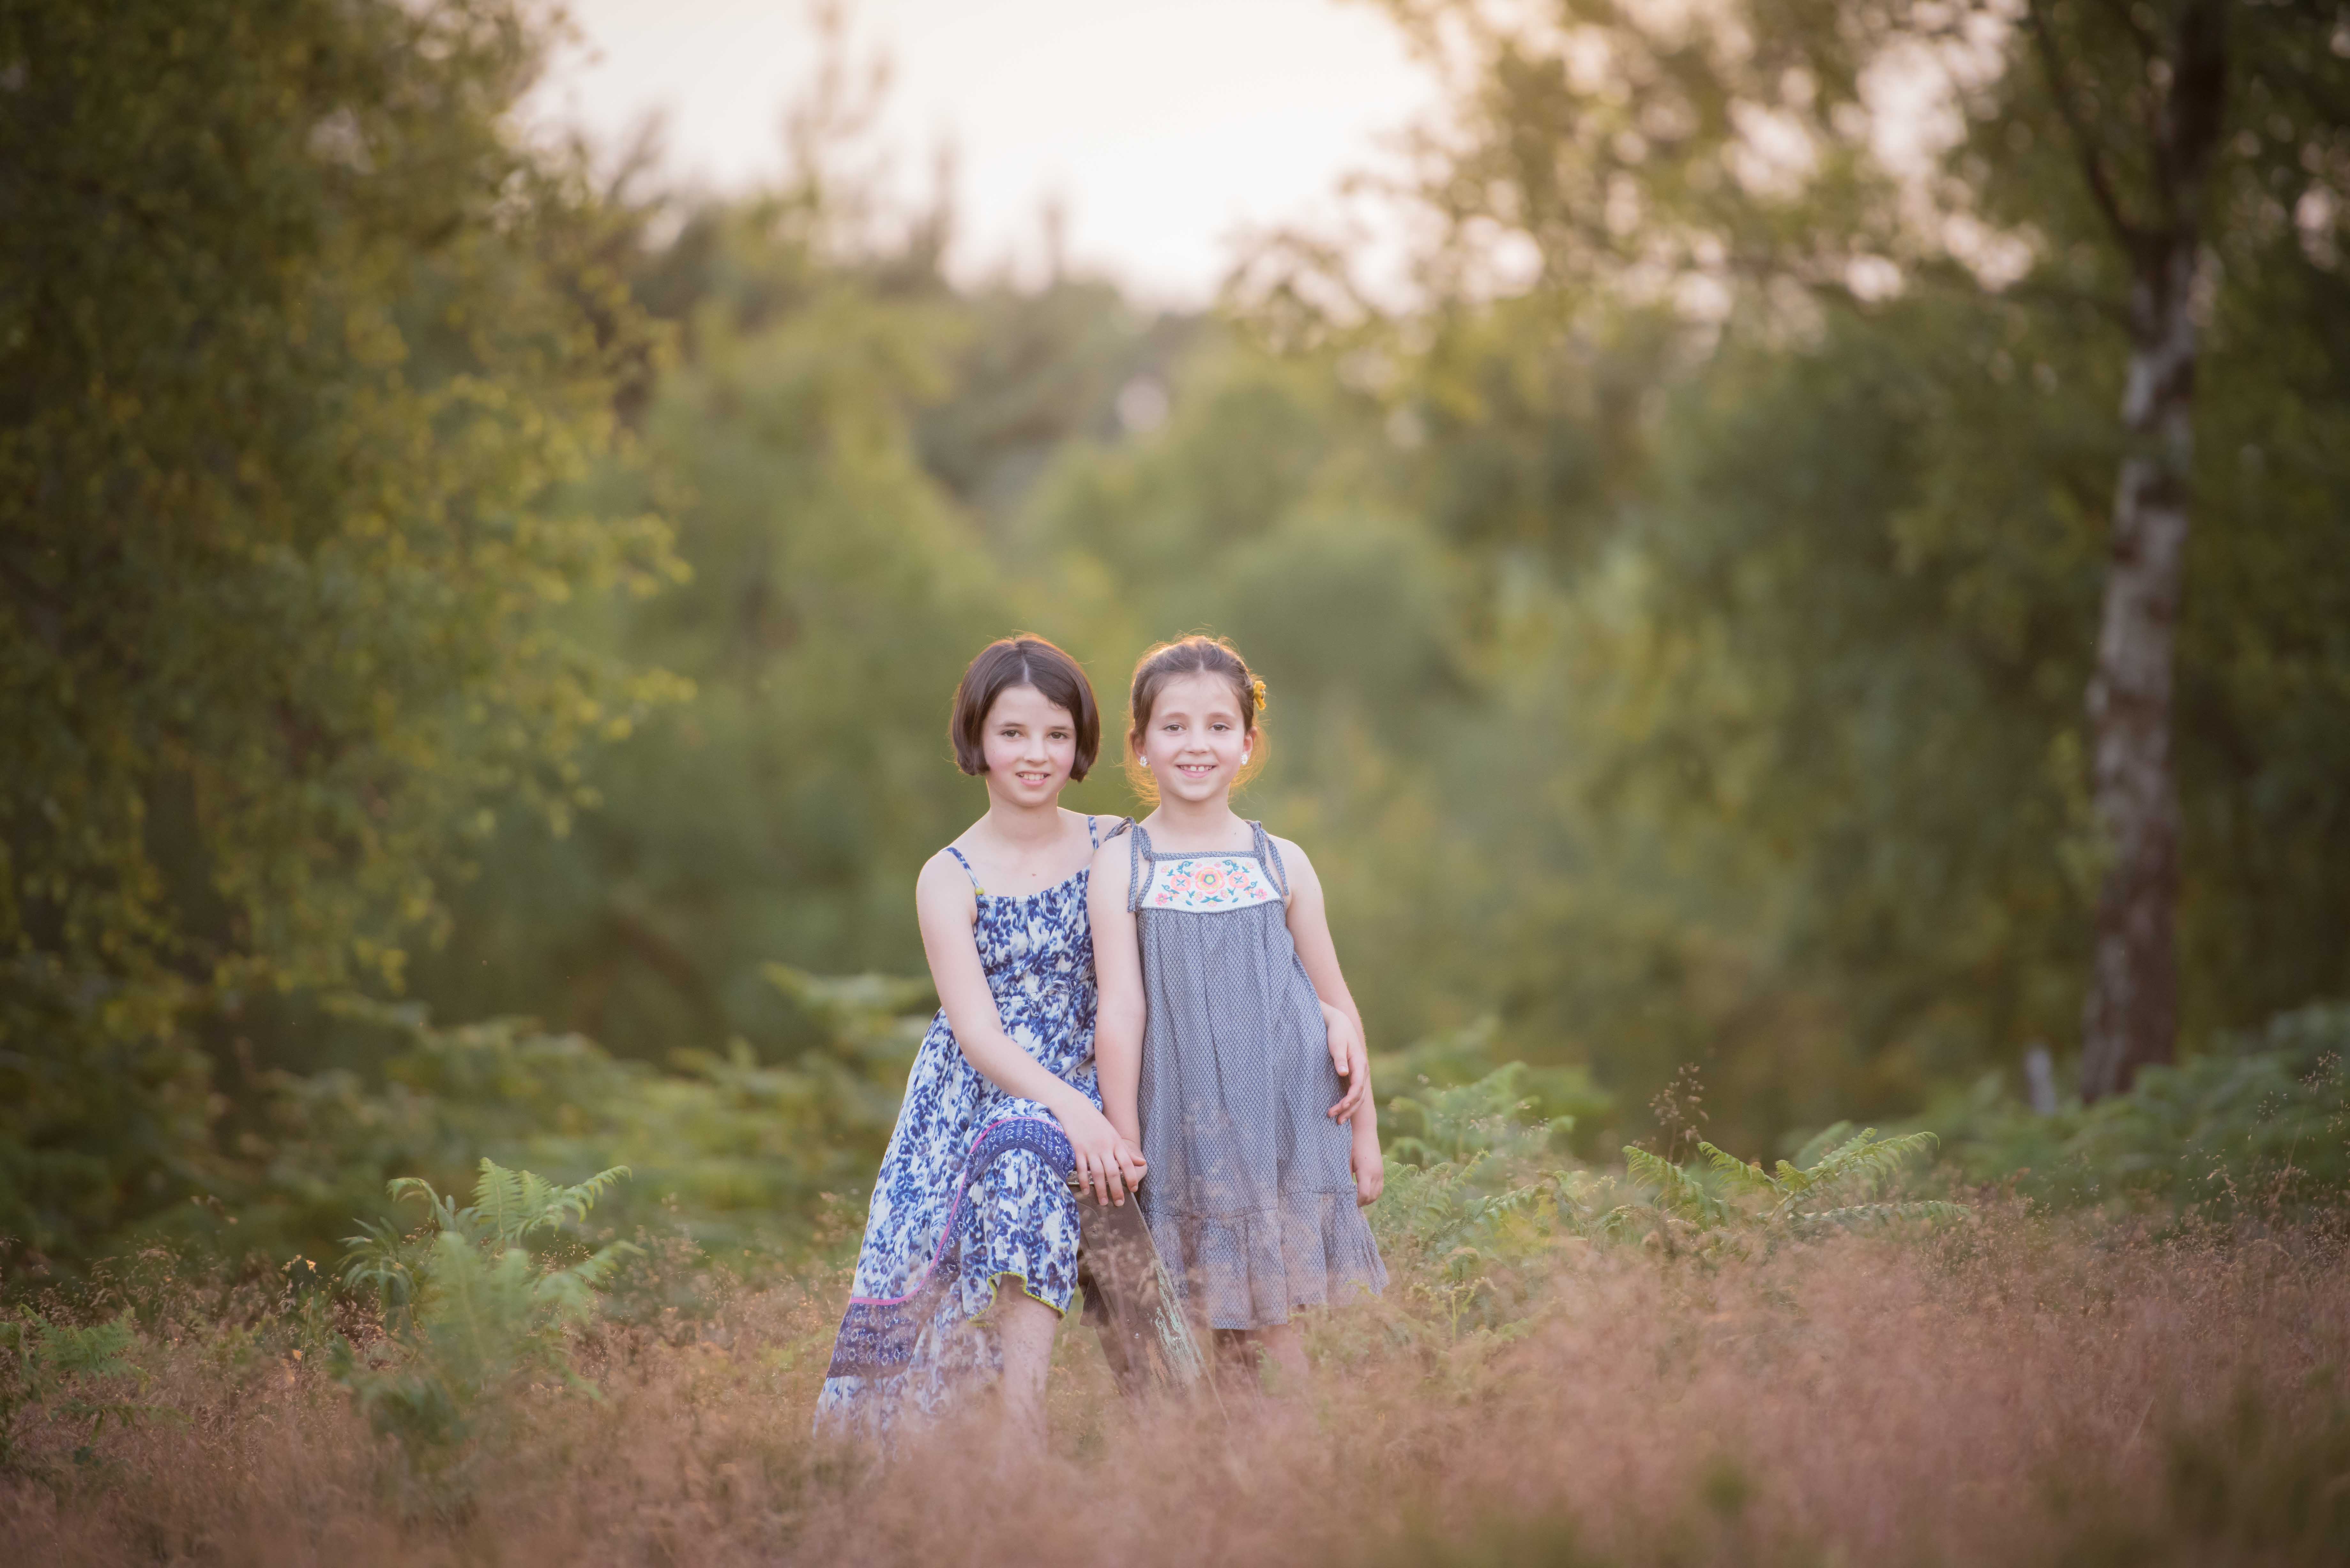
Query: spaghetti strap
x=967, y=870
x=1265, y=847
x=1134, y=863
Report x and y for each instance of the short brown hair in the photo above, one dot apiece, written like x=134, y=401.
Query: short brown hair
x=1198, y=654
x=1023, y=659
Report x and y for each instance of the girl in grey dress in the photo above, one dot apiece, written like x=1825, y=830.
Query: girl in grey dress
x=1228, y=1047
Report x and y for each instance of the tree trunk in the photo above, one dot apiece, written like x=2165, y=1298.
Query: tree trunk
x=2132, y=1012
x=2131, y=1017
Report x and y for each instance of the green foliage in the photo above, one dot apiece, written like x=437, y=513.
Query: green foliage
x=1467, y=1121
x=2260, y=1122
x=1476, y=1203
x=734, y=1155
x=835, y=594
x=472, y=1316
x=304, y=348
x=1668, y=664
x=1834, y=1182
x=1779, y=624
x=51, y=1369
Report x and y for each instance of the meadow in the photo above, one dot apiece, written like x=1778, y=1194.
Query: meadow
x=1856, y=1356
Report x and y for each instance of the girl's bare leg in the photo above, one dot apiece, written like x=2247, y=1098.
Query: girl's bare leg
x=1242, y=1355
x=1024, y=1326
x=1232, y=1356
x=1285, y=1348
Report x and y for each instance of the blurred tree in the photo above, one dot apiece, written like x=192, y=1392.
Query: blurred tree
x=835, y=595
x=2195, y=134
x=2143, y=97
x=298, y=345
x=1035, y=370
x=1889, y=585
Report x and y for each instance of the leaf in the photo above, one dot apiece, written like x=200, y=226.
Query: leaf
x=1738, y=1174
x=1676, y=1192
x=1816, y=1147
x=95, y=1351
x=512, y=1203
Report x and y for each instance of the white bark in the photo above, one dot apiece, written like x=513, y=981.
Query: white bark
x=2131, y=1016
x=2130, y=1019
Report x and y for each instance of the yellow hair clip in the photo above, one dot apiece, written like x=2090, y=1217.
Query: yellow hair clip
x=1256, y=690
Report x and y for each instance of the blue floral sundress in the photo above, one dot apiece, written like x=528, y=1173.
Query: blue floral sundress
x=974, y=1184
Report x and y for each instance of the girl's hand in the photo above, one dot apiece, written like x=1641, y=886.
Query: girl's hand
x=1349, y=1054
x=1369, y=1167
x=1100, y=1170
x=1130, y=1163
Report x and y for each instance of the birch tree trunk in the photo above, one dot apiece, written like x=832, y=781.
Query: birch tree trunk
x=2130, y=1019
x=2131, y=1016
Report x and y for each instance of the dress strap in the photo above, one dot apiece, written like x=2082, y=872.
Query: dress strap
x=1272, y=859
x=1137, y=858
x=967, y=870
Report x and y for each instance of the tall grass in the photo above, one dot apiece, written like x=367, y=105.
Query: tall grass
x=2018, y=1388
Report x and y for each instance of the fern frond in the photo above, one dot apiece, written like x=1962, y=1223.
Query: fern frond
x=95, y=1351
x=1411, y=1150
x=513, y=1203
x=571, y=1293
x=378, y=1262
x=1653, y=1170
x=1866, y=1163
x=1737, y=1174
x=1844, y=1150
x=1513, y=1201
x=574, y=1202
x=1820, y=1143
x=400, y=1186
x=1676, y=1192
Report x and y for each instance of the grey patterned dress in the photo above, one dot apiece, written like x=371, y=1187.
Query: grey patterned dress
x=1249, y=1197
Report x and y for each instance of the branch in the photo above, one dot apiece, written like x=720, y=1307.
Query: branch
x=2196, y=107
x=2093, y=164
x=2149, y=47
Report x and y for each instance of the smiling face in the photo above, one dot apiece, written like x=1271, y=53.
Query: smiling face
x=1195, y=740
x=1030, y=744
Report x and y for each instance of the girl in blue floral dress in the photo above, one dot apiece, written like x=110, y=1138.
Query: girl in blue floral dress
x=971, y=1243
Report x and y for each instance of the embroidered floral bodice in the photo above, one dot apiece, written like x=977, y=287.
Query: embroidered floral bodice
x=1213, y=882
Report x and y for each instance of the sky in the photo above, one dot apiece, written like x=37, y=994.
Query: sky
x=1163, y=129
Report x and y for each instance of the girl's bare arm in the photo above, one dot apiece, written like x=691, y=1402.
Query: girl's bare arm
x=1118, y=966
x=948, y=910
x=1309, y=927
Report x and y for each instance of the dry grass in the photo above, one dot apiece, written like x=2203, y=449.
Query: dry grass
x=2020, y=1391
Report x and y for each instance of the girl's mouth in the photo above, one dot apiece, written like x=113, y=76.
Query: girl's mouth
x=1028, y=777
x=1195, y=770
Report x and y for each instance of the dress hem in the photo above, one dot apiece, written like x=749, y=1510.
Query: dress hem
x=995, y=1281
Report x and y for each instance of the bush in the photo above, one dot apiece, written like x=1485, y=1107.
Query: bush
x=2260, y=1120
x=1836, y=1181
x=471, y=1317
x=52, y=1369
x=738, y=1155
